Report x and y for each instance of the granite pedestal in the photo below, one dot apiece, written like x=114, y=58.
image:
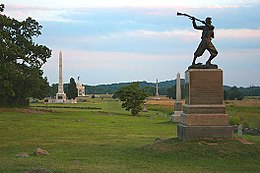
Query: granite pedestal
x=204, y=114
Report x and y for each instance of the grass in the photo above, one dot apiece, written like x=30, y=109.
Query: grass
x=111, y=140
x=245, y=115
x=161, y=108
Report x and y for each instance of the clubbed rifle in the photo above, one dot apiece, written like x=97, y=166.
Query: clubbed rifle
x=190, y=17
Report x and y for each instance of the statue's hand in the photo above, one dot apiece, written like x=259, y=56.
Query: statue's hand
x=192, y=18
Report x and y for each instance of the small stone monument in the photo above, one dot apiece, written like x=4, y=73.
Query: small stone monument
x=178, y=103
x=145, y=108
x=240, y=131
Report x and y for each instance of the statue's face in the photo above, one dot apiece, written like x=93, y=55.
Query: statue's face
x=208, y=20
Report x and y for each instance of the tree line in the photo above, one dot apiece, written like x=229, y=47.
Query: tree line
x=168, y=89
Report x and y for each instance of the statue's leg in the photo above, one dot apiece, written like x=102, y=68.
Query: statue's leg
x=199, y=52
x=194, y=60
x=213, y=53
x=209, y=60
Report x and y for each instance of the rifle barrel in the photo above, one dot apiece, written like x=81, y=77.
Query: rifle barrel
x=189, y=16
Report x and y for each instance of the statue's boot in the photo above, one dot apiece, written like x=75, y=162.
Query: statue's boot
x=209, y=60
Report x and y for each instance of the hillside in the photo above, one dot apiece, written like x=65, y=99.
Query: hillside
x=149, y=86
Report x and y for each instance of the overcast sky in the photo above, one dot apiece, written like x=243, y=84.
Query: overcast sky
x=111, y=41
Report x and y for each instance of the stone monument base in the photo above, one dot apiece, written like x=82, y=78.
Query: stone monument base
x=176, y=117
x=61, y=98
x=204, y=119
x=178, y=106
x=204, y=114
x=203, y=132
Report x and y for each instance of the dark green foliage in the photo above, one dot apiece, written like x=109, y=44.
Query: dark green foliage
x=53, y=90
x=233, y=94
x=149, y=90
x=132, y=97
x=103, y=89
x=148, y=87
x=250, y=91
x=72, y=89
x=171, y=92
x=2, y=7
x=14, y=102
x=115, y=95
x=21, y=59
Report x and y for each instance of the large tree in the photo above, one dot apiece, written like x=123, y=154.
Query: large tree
x=72, y=89
x=21, y=59
x=132, y=97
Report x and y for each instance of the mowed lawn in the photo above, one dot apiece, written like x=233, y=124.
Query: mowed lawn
x=105, y=138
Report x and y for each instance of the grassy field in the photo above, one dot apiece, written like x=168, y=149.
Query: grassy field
x=245, y=112
x=99, y=136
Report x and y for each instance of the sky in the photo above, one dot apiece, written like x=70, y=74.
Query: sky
x=112, y=41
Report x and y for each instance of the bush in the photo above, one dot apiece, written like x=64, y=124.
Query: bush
x=14, y=102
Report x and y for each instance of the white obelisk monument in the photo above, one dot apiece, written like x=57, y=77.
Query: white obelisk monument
x=157, y=90
x=60, y=96
x=178, y=102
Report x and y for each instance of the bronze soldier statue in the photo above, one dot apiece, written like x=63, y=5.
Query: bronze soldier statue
x=207, y=35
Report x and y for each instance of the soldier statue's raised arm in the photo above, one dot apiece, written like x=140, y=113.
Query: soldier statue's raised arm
x=205, y=44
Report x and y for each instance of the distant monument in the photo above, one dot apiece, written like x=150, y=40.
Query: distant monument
x=145, y=107
x=81, y=88
x=204, y=114
x=60, y=96
x=157, y=90
x=178, y=102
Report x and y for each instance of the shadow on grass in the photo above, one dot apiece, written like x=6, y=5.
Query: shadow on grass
x=214, y=146
x=165, y=122
x=106, y=113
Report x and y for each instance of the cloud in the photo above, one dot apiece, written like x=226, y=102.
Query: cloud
x=132, y=3
x=247, y=34
x=154, y=42
x=223, y=6
x=62, y=11
x=191, y=34
x=21, y=12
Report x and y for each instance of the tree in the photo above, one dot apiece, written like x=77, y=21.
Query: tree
x=21, y=59
x=72, y=89
x=132, y=97
x=171, y=92
x=233, y=94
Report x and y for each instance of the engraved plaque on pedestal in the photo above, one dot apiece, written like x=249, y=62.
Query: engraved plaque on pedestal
x=204, y=114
